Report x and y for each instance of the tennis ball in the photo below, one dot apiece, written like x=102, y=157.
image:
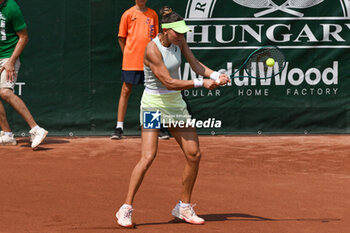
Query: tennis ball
x=270, y=62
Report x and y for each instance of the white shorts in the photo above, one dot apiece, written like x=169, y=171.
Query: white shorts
x=4, y=83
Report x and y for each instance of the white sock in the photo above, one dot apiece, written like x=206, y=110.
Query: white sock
x=120, y=124
x=10, y=134
x=126, y=206
x=35, y=127
x=183, y=205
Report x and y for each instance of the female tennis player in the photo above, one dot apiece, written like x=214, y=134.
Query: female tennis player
x=162, y=93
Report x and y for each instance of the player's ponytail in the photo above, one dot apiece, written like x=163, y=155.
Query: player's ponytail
x=168, y=15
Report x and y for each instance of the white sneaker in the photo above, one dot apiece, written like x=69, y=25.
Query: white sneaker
x=6, y=140
x=124, y=216
x=37, y=136
x=1, y=133
x=187, y=214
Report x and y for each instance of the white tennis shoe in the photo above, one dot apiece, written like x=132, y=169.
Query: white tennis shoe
x=37, y=136
x=187, y=213
x=6, y=140
x=124, y=216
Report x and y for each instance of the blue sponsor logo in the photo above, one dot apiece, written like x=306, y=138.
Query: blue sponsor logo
x=151, y=119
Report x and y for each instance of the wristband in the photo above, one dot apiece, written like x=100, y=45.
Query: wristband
x=215, y=75
x=198, y=82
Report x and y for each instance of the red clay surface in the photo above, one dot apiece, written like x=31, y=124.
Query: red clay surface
x=246, y=184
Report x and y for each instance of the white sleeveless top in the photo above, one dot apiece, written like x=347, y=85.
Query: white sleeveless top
x=172, y=59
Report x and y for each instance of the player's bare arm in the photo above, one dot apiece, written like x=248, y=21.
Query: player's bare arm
x=196, y=66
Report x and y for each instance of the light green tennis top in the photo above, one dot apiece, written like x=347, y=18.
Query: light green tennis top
x=172, y=60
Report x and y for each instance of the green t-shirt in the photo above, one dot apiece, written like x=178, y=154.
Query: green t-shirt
x=11, y=21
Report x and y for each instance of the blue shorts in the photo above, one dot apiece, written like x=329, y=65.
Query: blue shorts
x=133, y=76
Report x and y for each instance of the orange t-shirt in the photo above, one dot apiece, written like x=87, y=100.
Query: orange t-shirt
x=138, y=28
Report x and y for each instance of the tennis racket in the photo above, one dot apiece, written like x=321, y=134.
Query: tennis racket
x=255, y=66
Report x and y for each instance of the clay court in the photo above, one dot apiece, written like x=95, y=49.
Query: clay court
x=258, y=184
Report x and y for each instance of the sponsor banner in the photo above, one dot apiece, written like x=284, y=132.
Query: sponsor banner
x=315, y=39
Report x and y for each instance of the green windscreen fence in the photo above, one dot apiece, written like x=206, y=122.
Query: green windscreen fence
x=70, y=73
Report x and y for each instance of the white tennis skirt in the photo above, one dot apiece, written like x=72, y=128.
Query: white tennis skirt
x=171, y=106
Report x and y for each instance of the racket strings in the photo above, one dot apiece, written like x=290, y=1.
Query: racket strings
x=256, y=65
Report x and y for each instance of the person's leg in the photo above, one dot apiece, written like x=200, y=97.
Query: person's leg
x=149, y=140
x=17, y=104
x=149, y=150
x=123, y=101
x=6, y=136
x=122, y=106
x=3, y=120
x=187, y=138
x=37, y=133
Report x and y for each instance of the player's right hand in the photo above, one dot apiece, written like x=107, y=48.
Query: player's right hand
x=210, y=84
x=9, y=67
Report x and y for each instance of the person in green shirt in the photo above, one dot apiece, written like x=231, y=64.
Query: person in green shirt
x=13, y=39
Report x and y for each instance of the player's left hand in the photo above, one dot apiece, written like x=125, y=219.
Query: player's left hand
x=210, y=84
